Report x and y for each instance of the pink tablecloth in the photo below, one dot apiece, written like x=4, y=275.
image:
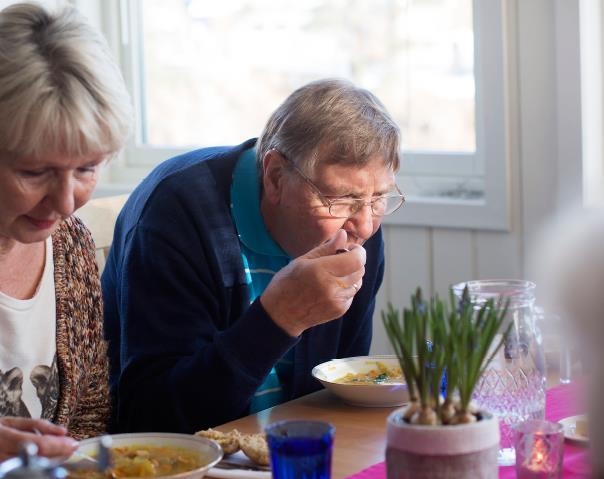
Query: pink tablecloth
x=561, y=402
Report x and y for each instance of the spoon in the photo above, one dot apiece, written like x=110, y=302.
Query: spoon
x=101, y=462
x=83, y=456
x=85, y=461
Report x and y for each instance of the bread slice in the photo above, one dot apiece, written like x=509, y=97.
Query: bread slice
x=229, y=441
x=254, y=446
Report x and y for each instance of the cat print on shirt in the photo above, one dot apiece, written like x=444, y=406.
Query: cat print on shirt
x=46, y=381
x=11, y=389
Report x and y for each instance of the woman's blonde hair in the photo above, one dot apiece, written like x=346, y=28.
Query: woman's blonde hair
x=331, y=121
x=60, y=89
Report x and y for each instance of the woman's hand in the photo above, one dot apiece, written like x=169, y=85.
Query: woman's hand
x=51, y=440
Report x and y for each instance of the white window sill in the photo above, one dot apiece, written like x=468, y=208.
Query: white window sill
x=441, y=212
x=446, y=202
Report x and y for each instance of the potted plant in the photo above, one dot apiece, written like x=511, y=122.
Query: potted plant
x=439, y=434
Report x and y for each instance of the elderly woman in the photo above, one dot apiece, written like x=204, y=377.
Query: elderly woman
x=65, y=111
x=224, y=287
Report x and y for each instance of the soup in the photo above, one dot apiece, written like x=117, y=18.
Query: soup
x=382, y=374
x=147, y=461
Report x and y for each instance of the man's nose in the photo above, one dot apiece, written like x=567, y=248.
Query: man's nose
x=363, y=221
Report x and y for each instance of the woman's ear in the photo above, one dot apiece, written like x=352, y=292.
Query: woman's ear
x=273, y=167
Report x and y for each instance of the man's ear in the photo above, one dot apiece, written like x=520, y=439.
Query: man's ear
x=273, y=167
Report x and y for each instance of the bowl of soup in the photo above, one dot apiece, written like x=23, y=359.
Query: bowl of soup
x=374, y=381
x=156, y=455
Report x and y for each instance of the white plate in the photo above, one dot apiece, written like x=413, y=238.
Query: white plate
x=238, y=474
x=372, y=395
x=570, y=432
x=208, y=449
x=235, y=473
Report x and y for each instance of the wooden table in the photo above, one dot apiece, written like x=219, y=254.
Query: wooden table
x=360, y=438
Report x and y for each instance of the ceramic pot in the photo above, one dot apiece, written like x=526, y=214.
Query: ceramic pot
x=464, y=451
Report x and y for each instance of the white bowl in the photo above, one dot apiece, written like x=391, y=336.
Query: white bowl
x=372, y=395
x=208, y=449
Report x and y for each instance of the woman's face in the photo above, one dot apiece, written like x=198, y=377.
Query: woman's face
x=37, y=193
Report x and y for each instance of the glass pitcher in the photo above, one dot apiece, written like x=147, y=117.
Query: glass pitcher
x=513, y=386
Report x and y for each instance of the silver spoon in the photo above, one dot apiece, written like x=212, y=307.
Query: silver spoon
x=101, y=462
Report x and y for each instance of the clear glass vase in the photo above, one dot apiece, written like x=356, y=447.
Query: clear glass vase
x=513, y=386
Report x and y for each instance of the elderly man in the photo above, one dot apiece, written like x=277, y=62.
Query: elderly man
x=224, y=286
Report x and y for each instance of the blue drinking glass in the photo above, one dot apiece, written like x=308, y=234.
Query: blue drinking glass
x=300, y=449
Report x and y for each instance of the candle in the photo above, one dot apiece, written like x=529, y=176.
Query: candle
x=539, y=448
x=538, y=461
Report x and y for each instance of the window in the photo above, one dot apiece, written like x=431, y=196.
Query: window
x=227, y=65
x=211, y=72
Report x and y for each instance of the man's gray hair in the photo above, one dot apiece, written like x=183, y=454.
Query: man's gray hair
x=331, y=121
x=60, y=90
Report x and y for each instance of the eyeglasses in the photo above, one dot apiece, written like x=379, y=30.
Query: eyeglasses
x=340, y=207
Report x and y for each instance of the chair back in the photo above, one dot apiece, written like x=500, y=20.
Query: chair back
x=99, y=216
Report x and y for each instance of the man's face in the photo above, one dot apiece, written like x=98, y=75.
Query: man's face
x=296, y=216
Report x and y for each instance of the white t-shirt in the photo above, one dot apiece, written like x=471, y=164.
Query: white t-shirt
x=29, y=380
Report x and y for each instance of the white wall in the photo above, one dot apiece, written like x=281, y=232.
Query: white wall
x=592, y=92
x=544, y=134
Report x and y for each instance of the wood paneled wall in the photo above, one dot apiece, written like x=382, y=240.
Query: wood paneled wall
x=434, y=259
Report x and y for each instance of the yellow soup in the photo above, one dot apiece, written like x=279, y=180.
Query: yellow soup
x=382, y=374
x=147, y=461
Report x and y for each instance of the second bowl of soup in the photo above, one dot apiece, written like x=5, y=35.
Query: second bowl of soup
x=374, y=381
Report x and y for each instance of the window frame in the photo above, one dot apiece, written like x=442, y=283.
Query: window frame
x=435, y=197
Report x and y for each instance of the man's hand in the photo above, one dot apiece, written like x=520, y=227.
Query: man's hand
x=52, y=440
x=317, y=287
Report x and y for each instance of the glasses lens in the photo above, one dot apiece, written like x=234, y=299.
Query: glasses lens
x=379, y=206
x=342, y=209
x=387, y=205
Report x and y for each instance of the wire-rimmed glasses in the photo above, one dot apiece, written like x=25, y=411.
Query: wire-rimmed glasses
x=344, y=207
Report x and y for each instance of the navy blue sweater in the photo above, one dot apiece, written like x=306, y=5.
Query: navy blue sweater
x=187, y=351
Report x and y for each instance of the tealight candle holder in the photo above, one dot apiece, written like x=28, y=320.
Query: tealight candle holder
x=539, y=449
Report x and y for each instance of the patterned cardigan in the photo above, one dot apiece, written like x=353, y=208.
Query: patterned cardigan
x=83, y=404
